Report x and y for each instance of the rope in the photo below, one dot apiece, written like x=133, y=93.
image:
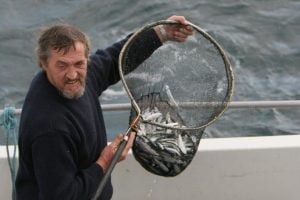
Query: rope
x=9, y=122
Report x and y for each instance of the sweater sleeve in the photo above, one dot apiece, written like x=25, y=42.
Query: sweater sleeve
x=56, y=172
x=104, y=63
x=103, y=66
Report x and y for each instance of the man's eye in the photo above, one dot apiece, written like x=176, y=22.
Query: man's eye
x=61, y=66
x=79, y=65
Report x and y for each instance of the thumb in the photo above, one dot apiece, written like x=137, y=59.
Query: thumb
x=118, y=139
x=180, y=19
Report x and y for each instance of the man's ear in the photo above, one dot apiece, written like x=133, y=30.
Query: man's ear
x=43, y=64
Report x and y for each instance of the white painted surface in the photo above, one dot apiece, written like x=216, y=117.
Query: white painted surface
x=256, y=168
x=250, y=168
x=5, y=179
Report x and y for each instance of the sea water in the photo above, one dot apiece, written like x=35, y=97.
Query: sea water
x=261, y=37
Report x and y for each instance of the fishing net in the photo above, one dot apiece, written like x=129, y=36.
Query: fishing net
x=176, y=90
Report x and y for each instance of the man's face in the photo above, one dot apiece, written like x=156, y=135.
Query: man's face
x=67, y=71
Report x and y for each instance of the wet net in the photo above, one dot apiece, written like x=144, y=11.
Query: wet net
x=176, y=90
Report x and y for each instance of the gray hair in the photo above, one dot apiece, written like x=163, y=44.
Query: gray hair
x=61, y=38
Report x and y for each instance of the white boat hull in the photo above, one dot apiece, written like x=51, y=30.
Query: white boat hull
x=245, y=168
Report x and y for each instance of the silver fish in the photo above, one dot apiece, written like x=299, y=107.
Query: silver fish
x=163, y=151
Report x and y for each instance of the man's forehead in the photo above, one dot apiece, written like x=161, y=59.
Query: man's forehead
x=77, y=47
x=78, y=50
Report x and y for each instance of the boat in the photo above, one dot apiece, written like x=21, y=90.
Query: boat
x=238, y=168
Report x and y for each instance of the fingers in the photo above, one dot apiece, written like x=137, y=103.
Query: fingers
x=109, y=151
x=180, y=19
x=179, y=32
x=186, y=30
x=182, y=34
x=106, y=156
x=128, y=145
x=115, y=143
x=130, y=141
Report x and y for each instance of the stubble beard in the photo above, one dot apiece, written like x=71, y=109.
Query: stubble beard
x=74, y=95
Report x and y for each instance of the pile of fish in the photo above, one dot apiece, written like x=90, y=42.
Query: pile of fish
x=164, y=151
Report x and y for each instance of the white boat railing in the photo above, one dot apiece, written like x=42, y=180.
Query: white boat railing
x=234, y=105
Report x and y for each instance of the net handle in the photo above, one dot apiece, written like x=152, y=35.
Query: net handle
x=115, y=159
x=204, y=34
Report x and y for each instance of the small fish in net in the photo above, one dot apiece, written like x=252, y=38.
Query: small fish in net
x=160, y=150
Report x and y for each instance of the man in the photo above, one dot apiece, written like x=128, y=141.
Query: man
x=62, y=139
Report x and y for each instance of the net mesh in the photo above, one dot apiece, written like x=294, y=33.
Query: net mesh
x=180, y=88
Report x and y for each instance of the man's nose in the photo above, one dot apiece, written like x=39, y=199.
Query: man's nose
x=72, y=73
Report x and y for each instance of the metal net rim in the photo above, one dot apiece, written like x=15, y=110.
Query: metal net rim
x=221, y=51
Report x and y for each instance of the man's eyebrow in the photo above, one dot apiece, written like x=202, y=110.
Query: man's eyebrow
x=79, y=62
x=61, y=62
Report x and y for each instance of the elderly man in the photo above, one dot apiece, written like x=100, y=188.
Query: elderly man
x=62, y=138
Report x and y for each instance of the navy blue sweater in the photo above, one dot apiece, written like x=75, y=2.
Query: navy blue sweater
x=60, y=139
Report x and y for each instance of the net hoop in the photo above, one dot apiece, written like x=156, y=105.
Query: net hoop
x=225, y=59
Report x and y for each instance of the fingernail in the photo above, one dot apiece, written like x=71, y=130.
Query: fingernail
x=126, y=138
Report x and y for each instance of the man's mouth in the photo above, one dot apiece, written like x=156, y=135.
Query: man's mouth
x=73, y=81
